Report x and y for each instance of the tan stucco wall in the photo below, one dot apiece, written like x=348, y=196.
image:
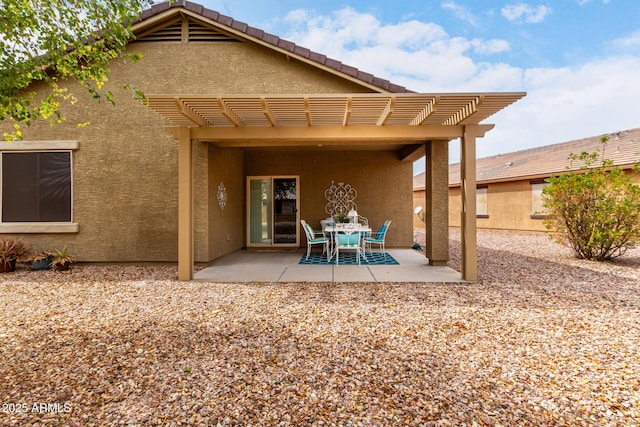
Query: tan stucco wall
x=226, y=226
x=125, y=171
x=455, y=207
x=509, y=206
x=229, y=68
x=383, y=185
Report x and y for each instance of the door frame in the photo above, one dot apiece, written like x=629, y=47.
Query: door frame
x=272, y=244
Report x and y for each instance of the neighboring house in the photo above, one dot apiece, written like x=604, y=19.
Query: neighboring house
x=509, y=186
x=242, y=135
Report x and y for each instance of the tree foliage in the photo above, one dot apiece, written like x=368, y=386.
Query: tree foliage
x=54, y=40
x=594, y=210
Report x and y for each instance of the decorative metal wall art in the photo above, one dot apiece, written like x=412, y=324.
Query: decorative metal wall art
x=341, y=199
x=222, y=196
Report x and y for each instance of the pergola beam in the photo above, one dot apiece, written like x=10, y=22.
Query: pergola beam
x=249, y=136
x=426, y=111
x=189, y=113
x=228, y=113
x=411, y=153
x=267, y=111
x=347, y=112
x=388, y=110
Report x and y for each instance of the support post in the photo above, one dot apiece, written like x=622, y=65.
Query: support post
x=185, y=204
x=437, y=202
x=468, y=193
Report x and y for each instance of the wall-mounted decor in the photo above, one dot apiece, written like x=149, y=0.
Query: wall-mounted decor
x=222, y=196
x=341, y=199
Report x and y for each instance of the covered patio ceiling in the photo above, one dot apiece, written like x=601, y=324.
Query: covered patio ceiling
x=364, y=120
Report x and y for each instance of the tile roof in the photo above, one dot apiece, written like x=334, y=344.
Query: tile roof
x=623, y=149
x=275, y=41
x=418, y=181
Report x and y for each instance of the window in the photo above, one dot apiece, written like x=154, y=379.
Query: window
x=37, y=187
x=537, y=208
x=482, y=207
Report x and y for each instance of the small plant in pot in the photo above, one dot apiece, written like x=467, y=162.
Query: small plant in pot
x=342, y=218
x=10, y=251
x=61, y=259
x=40, y=260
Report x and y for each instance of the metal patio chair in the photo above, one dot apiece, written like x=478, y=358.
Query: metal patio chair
x=378, y=237
x=314, y=238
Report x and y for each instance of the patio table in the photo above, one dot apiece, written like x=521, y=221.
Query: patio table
x=347, y=228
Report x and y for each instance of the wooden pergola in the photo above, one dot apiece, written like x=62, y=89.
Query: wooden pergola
x=415, y=124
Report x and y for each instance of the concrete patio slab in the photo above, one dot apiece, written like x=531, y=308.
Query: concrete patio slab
x=255, y=266
x=303, y=273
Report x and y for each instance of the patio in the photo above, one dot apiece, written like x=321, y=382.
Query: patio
x=283, y=267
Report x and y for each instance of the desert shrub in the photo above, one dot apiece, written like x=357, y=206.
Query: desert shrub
x=594, y=210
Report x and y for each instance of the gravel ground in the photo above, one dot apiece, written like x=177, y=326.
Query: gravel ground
x=541, y=339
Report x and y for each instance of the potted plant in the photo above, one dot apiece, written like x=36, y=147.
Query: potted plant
x=10, y=251
x=342, y=218
x=40, y=260
x=61, y=259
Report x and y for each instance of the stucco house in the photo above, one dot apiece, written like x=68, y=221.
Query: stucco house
x=242, y=134
x=509, y=186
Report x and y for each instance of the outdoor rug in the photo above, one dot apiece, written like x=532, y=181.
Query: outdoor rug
x=348, y=258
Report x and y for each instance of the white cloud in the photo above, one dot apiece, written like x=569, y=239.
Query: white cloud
x=420, y=55
x=486, y=47
x=587, y=99
x=629, y=43
x=460, y=12
x=523, y=12
x=563, y=104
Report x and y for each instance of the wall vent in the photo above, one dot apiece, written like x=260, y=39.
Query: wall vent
x=173, y=33
x=200, y=33
x=170, y=33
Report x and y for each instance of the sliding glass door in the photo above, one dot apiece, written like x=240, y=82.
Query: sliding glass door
x=272, y=211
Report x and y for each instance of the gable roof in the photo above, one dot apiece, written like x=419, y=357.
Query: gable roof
x=623, y=149
x=163, y=13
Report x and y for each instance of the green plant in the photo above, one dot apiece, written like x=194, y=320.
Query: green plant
x=61, y=259
x=52, y=41
x=342, y=217
x=10, y=251
x=594, y=210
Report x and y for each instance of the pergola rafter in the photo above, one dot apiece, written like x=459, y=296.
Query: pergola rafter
x=398, y=109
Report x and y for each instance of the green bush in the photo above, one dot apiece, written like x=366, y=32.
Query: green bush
x=594, y=210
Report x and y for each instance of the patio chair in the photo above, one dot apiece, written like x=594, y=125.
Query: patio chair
x=348, y=240
x=355, y=218
x=312, y=239
x=378, y=237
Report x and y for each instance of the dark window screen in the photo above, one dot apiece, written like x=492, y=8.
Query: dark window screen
x=36, y=187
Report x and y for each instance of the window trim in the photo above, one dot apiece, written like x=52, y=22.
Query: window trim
x=532, y=183
x=40, y=227
x=482, y=187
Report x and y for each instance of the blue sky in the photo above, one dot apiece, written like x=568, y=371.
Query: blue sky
x=578, y=60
